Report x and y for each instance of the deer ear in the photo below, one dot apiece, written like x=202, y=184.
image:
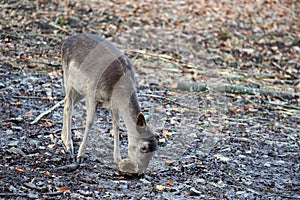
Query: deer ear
x=141, y=121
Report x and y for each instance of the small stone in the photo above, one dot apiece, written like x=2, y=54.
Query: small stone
x=32, y=195
x=201, y=181
x=297, y=49
x=194, y=192
x=16, y=150
x=279, y=163
x=220, y=183
x=76, y=195
x=247, y=182
x=221, y=158
x=240, y=193
x=2, y=85
x=265, y=156
x=267, y=164
x=17, y=128
x=162, y=140
x=248, y=152
x=13, y=143
x=145, y=182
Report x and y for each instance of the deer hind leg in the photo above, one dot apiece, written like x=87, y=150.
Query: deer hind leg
x=71, y=98
x=90, y=115
x=66, y=130
x=116, y=120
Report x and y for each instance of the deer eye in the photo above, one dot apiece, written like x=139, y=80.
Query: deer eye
x=144, y=148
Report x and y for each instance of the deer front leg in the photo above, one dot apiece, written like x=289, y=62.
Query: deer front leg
x=116, y=120
x=66, y=130
x=90, y=115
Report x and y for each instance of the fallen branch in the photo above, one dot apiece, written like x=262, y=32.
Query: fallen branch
x=192, y=87
x=68, y=168
x=235, y=89
x=166, y=58
x=47, y=112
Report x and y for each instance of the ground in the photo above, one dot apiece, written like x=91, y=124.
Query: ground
x=213, y=144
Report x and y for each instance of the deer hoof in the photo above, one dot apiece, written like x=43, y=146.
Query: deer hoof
x=69, y=151
x=117, y=159
x=79, y=160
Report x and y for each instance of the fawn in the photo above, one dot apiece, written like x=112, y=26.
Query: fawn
x=99, y=72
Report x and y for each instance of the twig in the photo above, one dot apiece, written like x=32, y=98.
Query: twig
x=161, y=97
x=58, y=27
x=53, y=193
x=13, y=195
x=68, y=168
x=244, y=187
x=166, y=58
x=34, y=187
x=30, y=97
x=285, y=71
x=9, y=6
x=290, y=137
x=47, y=63
x=284, y=105
x=5, y=33
x=235, y=89
x=47, y=112
x=168, y=100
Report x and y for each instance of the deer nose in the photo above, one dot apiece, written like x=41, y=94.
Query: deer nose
x=129, y=167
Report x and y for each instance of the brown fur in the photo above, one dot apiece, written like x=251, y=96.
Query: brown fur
x=96, y=70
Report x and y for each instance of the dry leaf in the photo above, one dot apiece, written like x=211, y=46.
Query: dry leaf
x=23, y=57
x=192, y=159
x=19, y=170
x=51, y=136
x=165, y=131
x=49, y=174
x=18, y=104
x=101, y=190
x=169, y=163
x=233, y=111
x=51, y=146
x=55, y=74
x=77, y=133
x=48, y=123
x=65, y=190
x=170, y=182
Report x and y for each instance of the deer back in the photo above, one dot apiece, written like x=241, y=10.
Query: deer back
x=93, y=66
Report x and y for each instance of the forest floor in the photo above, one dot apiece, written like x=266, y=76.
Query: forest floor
x=213, y=144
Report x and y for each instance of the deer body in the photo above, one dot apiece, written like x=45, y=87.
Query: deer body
x=96, y=70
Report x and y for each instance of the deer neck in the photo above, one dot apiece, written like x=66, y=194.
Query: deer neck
x=129, y=113
x=124, y=100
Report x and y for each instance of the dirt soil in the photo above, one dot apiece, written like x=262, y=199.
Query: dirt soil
x=212, y=144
